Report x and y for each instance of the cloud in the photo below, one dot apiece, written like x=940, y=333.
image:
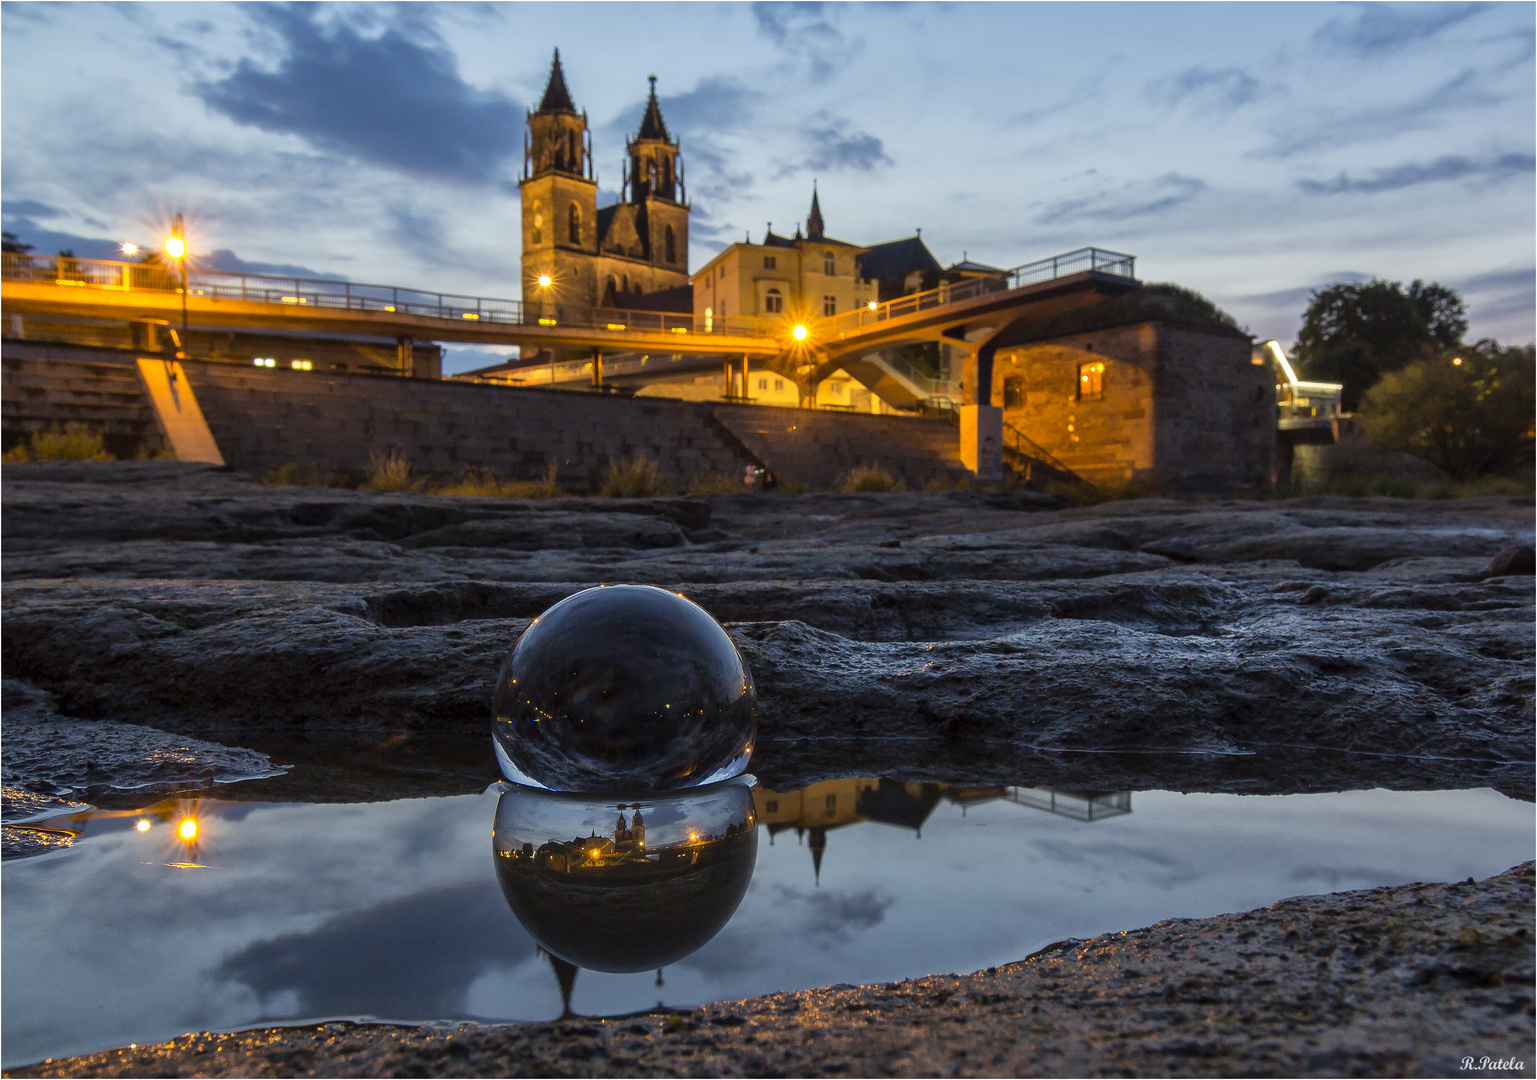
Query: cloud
x=832, y=146
x=395, y=99
x=1327, y=132
x=1134, y=200
x=230, y=263
x=1412, y=174
x=1384, y=29
x=804, y=32
x=1228, y=87
x=836, y=914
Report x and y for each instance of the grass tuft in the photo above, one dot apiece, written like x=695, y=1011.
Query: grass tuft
x=75, y=443
x=638, y=479
x=486, y=484
x=869, y=478
x=390, y=472
x=714, y=483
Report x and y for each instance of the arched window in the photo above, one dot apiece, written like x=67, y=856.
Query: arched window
x=538, y=230
x=829, y=264
x=613, y=286
x=773, y=302
x=627, y=283
x=574, y=228
x=671, y=246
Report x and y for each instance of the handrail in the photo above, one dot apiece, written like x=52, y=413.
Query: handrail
x=1078, y=261
x=1034, y=452
x=359, y=296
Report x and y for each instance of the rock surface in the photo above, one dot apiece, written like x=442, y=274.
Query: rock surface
x=1344, y=642
x=1406, y=981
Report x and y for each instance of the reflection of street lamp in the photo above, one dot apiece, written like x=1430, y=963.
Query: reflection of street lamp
x=799, y=333
x=176, y=248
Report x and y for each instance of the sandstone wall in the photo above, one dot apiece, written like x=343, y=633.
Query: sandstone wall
x=1216, y=412
x=97, y=388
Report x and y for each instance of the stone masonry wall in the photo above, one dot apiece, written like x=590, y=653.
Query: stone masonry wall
x=1215, y=412
x=97, y=388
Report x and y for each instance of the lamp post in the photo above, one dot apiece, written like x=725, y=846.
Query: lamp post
x=176, y=248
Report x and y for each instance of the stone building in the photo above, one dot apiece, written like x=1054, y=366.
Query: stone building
x=637, y=247
x=1138, y=390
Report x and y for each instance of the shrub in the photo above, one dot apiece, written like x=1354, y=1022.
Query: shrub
x=75, y=443
x=389, y=472
x=638, y=479
x=714, y=483
x=1471, y=414
x=869, y=478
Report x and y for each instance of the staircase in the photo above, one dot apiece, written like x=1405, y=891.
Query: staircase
x=47, y=387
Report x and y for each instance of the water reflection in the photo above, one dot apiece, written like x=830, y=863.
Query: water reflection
x=629, y=884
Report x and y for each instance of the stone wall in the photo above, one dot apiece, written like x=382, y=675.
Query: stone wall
x=1179, y=408
x=337, y=422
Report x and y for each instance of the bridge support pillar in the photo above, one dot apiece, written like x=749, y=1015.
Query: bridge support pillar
x=405, y=354
x=982, y=441
x=597, y=370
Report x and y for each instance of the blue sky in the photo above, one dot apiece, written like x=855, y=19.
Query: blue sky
x=1253, y=152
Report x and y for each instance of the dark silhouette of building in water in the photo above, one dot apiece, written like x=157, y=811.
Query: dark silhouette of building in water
x=631, y=254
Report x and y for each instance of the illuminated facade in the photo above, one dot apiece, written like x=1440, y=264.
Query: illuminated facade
x=614, y=256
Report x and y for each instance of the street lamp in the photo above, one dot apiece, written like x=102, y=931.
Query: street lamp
x=544, y=281
x=176, y=248
x=799, y=333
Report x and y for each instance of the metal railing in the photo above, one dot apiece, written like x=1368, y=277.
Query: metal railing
x=1072, y=262
x=1035, y=460
x=357, y=296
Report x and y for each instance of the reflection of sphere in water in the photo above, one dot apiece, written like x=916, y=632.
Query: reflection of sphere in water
x=623, y=687
x=625, y=884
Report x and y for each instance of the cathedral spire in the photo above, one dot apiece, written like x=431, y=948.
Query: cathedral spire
x=556, y=97
x=652, y=126
x=814, y=225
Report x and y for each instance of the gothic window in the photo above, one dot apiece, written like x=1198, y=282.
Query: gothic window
x=613, y=286
x=1013, y=392
x=770, y=262
x=1091, y=380
x=671, y=246
x=773, y=302
x=574, y=226
x=538, y=234
x=829, y=264
x=829, y=305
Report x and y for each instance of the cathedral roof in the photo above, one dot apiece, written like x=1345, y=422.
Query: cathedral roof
x=815, y=227
x=895, y=259
x=652, y=126
x=556, y=97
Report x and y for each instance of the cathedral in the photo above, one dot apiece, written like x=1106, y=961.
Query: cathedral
x=631, y=254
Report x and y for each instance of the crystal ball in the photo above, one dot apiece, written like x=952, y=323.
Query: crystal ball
x=625, y=883
x=623, y=688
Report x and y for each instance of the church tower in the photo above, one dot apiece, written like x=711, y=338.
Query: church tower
x=560, y=220
x=654, y=179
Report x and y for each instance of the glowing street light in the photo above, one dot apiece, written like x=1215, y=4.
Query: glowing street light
x=799, y=333
x=176, y=248
x=544, y=281
x=188, y=829
x=129, y=249
x=142, y=825
x=871, y=305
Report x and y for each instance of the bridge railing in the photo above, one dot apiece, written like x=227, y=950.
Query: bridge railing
x=1068, y=263
x=359, y=296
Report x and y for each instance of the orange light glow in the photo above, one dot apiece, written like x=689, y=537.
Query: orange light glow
x=871, y=305
x=142, y=825
x=129, y=249
x=799, y=333
x=175, y=247
x=544, y=281
x=1457, y=361
x=188, y=829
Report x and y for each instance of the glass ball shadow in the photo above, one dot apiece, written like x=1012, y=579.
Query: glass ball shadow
x=623, y=688
x=625, y=884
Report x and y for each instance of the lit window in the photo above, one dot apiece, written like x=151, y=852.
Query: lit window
x=770, y=262
x=829, y=264
x=1013, y=392
x=829, y=305
x=1091, y=379
x=538, y=234
x=762, y=384
x=773, y=302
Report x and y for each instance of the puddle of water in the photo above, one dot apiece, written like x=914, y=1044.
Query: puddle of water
x=279, y=913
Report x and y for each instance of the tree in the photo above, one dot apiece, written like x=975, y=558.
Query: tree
x=1470, y=411
x=1355, y=334
x=11, y=245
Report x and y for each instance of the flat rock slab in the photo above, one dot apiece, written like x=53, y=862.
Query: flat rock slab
x=1416, y=980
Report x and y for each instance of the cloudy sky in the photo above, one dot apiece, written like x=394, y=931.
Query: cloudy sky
x=1253, y=152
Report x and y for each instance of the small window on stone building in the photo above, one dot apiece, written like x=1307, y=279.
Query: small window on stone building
x=831, y=802
x=829, y=264
x=538, y=232
x=1013, y=392
x=829, y=305
x=779, y=384
x=770, y=262
x=773, y=302
x=762, y=384
x=672, y=246
x=835, y=388
x=1091, y=380
x=574, y=225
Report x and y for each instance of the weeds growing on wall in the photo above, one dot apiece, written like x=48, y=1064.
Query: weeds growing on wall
x=713, y=483
x=75, y=443
x=389, y=472
x=486, y=484
x=868, y=478
x=638, y=479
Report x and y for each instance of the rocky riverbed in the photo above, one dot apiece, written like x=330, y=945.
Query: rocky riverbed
x=171, y=626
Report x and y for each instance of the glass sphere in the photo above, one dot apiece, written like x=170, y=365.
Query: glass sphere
x=623, y=688
x=625, y=883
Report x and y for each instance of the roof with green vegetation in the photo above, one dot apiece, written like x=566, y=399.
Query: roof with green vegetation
x=1159, y=302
